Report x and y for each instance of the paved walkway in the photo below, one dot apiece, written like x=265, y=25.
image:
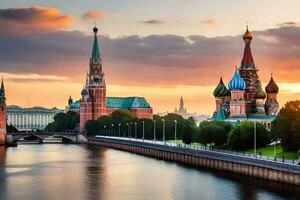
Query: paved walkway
x=270, y=162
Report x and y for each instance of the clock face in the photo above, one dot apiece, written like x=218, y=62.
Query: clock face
x=96, y=79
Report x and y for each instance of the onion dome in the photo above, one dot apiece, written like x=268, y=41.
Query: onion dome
x=221, y=90
x=84, y=92
x=236, y=83
x=259, y=93
x=272, y=87
x=247, y=35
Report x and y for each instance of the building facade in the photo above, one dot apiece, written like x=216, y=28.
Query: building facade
x=94, y=103
x=245, y=98
x=29, y=119
x=2, y=115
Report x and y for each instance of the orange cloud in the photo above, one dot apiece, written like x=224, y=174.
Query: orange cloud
x=94, y=15
x=210, y=21
x=33, y=18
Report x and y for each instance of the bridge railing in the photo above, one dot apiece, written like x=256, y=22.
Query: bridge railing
x=187, y=148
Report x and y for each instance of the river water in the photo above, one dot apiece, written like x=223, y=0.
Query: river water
x=57, y=171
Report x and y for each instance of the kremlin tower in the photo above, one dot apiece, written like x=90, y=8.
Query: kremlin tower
x=245, y=99
x=2, y=115
x=94, y=103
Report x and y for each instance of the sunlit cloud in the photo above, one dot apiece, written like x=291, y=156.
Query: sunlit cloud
x=210, y=21
x=33, y=18
x=33, y=77
x=94, y=15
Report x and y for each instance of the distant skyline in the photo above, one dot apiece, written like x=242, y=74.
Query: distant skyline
x=158, y=49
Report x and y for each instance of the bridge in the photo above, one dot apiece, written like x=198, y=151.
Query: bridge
x=67, y=137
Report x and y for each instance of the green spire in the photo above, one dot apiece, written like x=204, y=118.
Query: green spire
x=95, y=51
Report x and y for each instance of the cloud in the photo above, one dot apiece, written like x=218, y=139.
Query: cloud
x=162, y=60
x=33, y=18
x=289, y=24
x=94, y=15
x=153, y=21
x=210, y=21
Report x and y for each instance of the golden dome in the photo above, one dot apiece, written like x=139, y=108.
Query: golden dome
x=247, y=34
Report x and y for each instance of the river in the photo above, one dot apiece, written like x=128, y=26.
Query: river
x=58, y=171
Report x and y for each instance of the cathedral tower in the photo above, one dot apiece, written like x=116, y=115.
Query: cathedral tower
x=237, y=87
x=2, y=115
x=271, y=104
x=248, y=72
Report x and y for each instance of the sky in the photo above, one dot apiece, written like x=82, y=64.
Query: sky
x=159, y=49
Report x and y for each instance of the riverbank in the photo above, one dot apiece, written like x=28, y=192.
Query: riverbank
x=242, y=164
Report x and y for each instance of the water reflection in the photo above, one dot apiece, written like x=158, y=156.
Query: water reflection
x=57, y=171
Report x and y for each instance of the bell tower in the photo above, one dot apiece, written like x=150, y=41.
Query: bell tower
x=2, y=115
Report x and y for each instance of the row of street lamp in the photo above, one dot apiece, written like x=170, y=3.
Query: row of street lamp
x=154, y=130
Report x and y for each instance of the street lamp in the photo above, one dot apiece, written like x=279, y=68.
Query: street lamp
x=105, y=130
x=128, y=129
x=175, y=132
x=255, y=138
x=119, y=130
x=143, y=131
x=164, y=137
x=112, y=129
x=154, y=133
x=135, y=130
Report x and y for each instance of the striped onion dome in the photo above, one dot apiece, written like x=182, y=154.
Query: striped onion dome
x=221, y=90
x=236, y=83
x=272, y=87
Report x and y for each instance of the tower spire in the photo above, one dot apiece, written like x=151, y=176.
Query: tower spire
x=2, y=92
x=95, y=50
x=247, y=61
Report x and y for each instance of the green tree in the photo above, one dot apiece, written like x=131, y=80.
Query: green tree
x=241, y=137
x=188, y=131
x=11, y=129
x=214, y=132
x=286, y=126
x=63, y=122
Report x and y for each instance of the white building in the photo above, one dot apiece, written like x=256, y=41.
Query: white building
x=30, y=118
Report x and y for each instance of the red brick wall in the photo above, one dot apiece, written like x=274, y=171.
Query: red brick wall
x=2, y=123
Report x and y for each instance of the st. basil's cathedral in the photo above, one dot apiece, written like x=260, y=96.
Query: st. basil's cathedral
x=245, y=99
x=94, y=103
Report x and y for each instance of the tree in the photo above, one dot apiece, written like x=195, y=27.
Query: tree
x=188, y=131
x=11, y=129
x=63, y=122
x=214, y=132
x=286, y=126
x=241, y=137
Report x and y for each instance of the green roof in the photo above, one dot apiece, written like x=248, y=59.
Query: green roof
x=126, y=102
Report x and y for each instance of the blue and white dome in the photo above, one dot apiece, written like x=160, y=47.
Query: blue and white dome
x=236, y=83
x=84, y=92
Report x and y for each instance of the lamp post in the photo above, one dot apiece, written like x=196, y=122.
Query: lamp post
x=154, y=133
x=135, y=130
x=143, y=131
x=255, y=138
x=175, y=131
x=128, y=129
x=104, y=130
x=164, y=137
x=119, y=130
x=112, y=129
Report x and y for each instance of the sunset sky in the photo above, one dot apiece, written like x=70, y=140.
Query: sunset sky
x=160, y=49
